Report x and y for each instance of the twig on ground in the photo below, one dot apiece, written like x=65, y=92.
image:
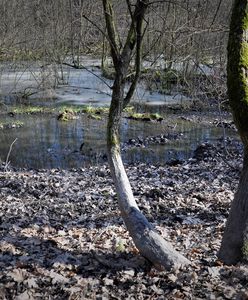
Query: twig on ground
x=7, y=162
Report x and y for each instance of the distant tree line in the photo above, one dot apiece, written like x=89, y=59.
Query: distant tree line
x=178, y=34
x=176, y=30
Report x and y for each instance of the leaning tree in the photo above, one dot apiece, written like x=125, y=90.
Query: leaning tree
x=150, y=244
x=234, y=245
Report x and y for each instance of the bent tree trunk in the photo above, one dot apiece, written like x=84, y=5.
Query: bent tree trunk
x=234, y=246
x=150, y=244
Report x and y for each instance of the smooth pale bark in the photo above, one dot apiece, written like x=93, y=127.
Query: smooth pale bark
x=234, y=246
x=150, y=244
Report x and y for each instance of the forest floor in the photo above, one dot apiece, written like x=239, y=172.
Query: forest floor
x=62, y=236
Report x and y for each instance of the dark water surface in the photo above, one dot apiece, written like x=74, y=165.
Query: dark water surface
x=45, y=142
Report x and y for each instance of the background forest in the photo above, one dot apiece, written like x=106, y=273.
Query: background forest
x=181, y=37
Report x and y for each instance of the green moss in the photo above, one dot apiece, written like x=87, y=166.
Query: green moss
x=94, y=110
x=103, y=109
x=245, y=21
x=156, y=117
x=89, y=109
x=245, y=250
x=67, y=115
x=237, y=68
x=8, y=125
x=146, y=117
x=29, y=109
x=113, y=141
x=66, y=112
x=137, y=116
x=244, y=54
x=94, y=117
x=112, y=137
x=120, y=246
x=207, y=60
x=129, y=109
x=17, y=124
x=70, y=108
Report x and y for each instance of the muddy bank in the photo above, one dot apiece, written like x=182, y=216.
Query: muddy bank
x=62, y=236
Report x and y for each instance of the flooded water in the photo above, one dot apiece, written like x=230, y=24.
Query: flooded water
x=45, y=142
x=69, y=85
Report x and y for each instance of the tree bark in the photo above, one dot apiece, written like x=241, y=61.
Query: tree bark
x=234, y=246
x=150, y=244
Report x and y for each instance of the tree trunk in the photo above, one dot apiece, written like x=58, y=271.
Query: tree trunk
x=234, y=245
x=150, y=244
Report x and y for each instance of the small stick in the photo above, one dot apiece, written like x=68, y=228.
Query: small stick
x=7, y=158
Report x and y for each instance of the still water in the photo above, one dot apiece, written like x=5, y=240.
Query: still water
x=45, y=142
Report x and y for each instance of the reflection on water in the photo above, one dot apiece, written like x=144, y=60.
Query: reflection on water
x=44, y=142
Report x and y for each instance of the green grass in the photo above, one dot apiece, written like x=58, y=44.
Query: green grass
x=29, y=109
x=245, y=250
x=67, y=115
x=146, y=116
x=69, y=112
x=95, y=110
x=87, y=109
x=94, y=117
x=129, y=109
x=70, y=108
x=15, y=124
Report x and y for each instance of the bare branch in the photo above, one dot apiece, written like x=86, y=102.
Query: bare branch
x=216, y=13
x=8, y=155
x=112, y=33
x=139, y=20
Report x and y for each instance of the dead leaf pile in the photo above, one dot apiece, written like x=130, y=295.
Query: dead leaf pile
x=62, y=236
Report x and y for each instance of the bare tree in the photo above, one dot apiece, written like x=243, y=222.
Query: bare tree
x=179, y=33
x=147, y=240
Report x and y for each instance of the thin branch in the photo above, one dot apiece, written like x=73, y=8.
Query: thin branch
x=112, y=33
x=129, y=8
x=98, y=27
x=158, y=39
x=216, y=13
x=8, y=155
x=167, y=1
x=139, y=16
